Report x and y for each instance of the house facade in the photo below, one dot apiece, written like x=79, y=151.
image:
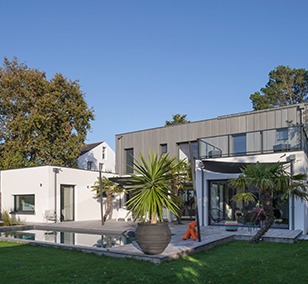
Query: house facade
x=219, y=146
x=97, y=156
x=48, y=193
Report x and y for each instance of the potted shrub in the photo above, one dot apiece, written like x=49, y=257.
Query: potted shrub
x=151, y=195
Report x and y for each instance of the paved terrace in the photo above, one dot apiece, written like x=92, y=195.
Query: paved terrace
x=210, y=236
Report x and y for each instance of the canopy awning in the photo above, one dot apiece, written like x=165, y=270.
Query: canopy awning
x=224, y=167
x=228, y=167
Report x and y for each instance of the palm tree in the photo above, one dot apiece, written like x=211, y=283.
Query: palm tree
x=109, y=189
x=151, y=188
x=268, y=180
x=181, y=174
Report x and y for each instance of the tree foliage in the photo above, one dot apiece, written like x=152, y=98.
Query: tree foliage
x=286, y=86
x=177, y=119
x=41, y=121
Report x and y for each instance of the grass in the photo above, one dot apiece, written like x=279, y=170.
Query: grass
x=236, y=262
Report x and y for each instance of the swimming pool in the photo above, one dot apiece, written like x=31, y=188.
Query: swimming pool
x=69, y=238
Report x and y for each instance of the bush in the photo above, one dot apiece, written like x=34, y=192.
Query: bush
x=8, y=220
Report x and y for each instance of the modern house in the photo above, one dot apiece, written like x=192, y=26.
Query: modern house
x=97, y=156
x=48, y=193
x=220, y=147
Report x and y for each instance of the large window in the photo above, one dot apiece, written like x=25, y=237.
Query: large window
x=239, y=144
x=24, y=203
x=129, y=157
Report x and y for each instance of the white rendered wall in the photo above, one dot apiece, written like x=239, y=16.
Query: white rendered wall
x=96, y=156
x=27, y=181
x=41, y=182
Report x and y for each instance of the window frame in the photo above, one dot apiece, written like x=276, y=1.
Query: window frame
x=90, y=165
x=19, y=207
x=104, y=153
x=129, y=160
x=163, y=148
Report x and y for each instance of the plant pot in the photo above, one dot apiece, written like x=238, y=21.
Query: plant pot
x=153, y=238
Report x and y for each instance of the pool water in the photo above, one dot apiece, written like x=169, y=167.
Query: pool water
x=70, y=238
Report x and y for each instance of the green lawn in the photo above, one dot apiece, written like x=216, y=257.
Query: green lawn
x=237, y=262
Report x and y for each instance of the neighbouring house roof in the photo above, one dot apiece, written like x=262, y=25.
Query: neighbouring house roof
x=88, y=147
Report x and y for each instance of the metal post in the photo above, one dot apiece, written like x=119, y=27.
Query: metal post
x=193, y=173
x=56, y=171
x=291, y=160
x=101, y=193
x=300, y=108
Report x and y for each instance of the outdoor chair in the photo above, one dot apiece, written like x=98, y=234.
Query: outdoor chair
x=124, y=214
x=50, y=215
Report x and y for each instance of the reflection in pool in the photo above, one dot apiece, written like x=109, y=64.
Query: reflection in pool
x=71, y=238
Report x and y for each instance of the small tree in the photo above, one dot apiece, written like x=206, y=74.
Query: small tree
x=109, y=189
x=268, y=180
x=177, y=119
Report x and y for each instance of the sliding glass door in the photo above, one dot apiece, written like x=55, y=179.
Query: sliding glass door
x=220, y=202
x=222, y=207
x=67, y=203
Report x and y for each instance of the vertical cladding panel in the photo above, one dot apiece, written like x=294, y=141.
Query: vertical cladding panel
x=270, y=120
x=283, y=118
x=238, y=124
x=223, y=126
x=251, y=122
x=258, y=121
x=215, y=127
x=278, y=117
x=209, y=128
x=254, y=142
x=203, y=129
x=263, y=120
x=293, y=115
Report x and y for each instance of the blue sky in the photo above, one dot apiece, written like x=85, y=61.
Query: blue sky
x=141, y=61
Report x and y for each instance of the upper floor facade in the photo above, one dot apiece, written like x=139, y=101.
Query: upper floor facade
x=250, y=133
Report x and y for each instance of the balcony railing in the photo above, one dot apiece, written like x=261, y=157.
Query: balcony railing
x=253, y=143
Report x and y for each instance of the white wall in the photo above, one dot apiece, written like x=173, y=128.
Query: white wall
x=95, y=156
x=26, y=181
x=41, y=182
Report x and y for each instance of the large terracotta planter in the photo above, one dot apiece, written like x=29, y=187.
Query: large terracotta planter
x=153, y=238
